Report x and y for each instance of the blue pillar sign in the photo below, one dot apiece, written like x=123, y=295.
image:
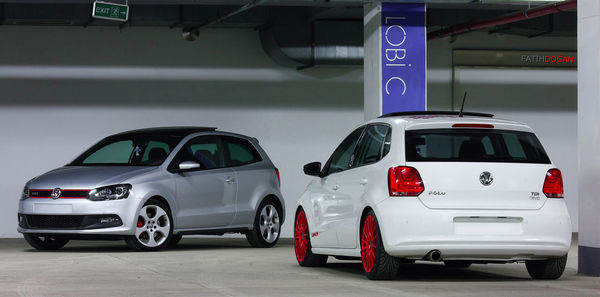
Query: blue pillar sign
x=403, y=57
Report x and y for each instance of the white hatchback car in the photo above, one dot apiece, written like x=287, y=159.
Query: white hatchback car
x=435, y=186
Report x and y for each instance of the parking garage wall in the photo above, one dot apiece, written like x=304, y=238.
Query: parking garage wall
x=64, y=88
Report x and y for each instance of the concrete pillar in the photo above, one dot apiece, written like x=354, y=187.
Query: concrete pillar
x=588, y=117
x=394, y=58
x=372, y=60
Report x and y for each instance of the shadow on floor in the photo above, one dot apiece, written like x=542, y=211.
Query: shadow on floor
x=119, y=246
x=425, y=272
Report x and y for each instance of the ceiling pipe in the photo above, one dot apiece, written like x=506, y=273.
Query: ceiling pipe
x=189, y=33
x=503, y=20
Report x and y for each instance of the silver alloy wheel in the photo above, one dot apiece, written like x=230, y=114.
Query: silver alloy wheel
x=153, y=226
x=269, y=223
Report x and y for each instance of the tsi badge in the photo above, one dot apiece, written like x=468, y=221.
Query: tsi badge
x=534, y=196
x=56, y=193
x=486, y=178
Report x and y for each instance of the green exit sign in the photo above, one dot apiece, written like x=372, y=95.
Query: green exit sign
x=110, y=11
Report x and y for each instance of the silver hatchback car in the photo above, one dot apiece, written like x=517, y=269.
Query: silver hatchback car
x=152, y=186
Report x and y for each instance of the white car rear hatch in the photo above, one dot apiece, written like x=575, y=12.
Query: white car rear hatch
x=477, y=163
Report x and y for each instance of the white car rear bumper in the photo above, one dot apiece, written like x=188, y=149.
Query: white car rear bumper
x=411, y=230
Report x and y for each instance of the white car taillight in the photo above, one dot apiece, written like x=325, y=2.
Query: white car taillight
x=553, y=184
x=404, y=181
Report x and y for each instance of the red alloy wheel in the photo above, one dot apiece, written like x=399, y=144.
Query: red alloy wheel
x=368, y=243
x=301, y=236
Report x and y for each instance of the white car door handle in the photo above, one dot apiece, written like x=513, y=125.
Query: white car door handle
x=229, y=179
x=336, y=187
x=363, y=181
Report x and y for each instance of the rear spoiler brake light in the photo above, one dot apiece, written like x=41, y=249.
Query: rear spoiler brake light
x=487, y=126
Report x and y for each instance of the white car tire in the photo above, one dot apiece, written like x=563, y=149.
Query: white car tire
x=302, y=245
x=546, y=269
x=377, y=263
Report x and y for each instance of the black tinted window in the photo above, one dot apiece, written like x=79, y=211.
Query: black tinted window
x=240, y=152
x=372, y=145
x=474, y=145
x=342, y=156
x=204, y=150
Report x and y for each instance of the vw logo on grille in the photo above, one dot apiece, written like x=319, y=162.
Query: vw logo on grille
x=56, y=193
x=486, y=178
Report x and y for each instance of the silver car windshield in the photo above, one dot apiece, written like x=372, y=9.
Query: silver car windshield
x=129, y=150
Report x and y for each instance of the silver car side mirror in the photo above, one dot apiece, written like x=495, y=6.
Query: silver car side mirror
x=188, y=165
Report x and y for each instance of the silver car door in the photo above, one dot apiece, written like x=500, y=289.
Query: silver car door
x=206, y=196
x=252, y=176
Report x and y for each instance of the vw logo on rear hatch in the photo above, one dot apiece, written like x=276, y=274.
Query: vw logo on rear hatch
x=486, y=178
x=56, y=193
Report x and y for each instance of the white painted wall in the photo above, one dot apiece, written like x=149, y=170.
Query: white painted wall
x=439, y=58
x=63, y=89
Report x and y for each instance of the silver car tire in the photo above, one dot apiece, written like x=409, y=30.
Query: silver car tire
x=175, y=239
x=267, y=225
x=154, y=227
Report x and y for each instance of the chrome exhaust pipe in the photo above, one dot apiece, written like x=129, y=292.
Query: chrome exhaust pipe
x=434, y=256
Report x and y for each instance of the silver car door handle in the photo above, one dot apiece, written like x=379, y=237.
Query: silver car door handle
x=363, y=181
x=229, y=179
x=336, y=187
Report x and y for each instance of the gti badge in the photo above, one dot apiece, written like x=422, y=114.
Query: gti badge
x=486, y=178
x=56, y=193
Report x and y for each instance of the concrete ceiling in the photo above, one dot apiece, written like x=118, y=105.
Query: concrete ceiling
x=289, y=30
x=191, y=13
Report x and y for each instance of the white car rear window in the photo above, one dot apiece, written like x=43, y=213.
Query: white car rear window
x=474, y=145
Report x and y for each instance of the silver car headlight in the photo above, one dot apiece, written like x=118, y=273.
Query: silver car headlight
x=114, y=192
x=25, y=193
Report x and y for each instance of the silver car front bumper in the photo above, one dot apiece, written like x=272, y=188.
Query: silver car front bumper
x=125, y=209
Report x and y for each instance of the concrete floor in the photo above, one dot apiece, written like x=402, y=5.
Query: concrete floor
x=229, y=267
